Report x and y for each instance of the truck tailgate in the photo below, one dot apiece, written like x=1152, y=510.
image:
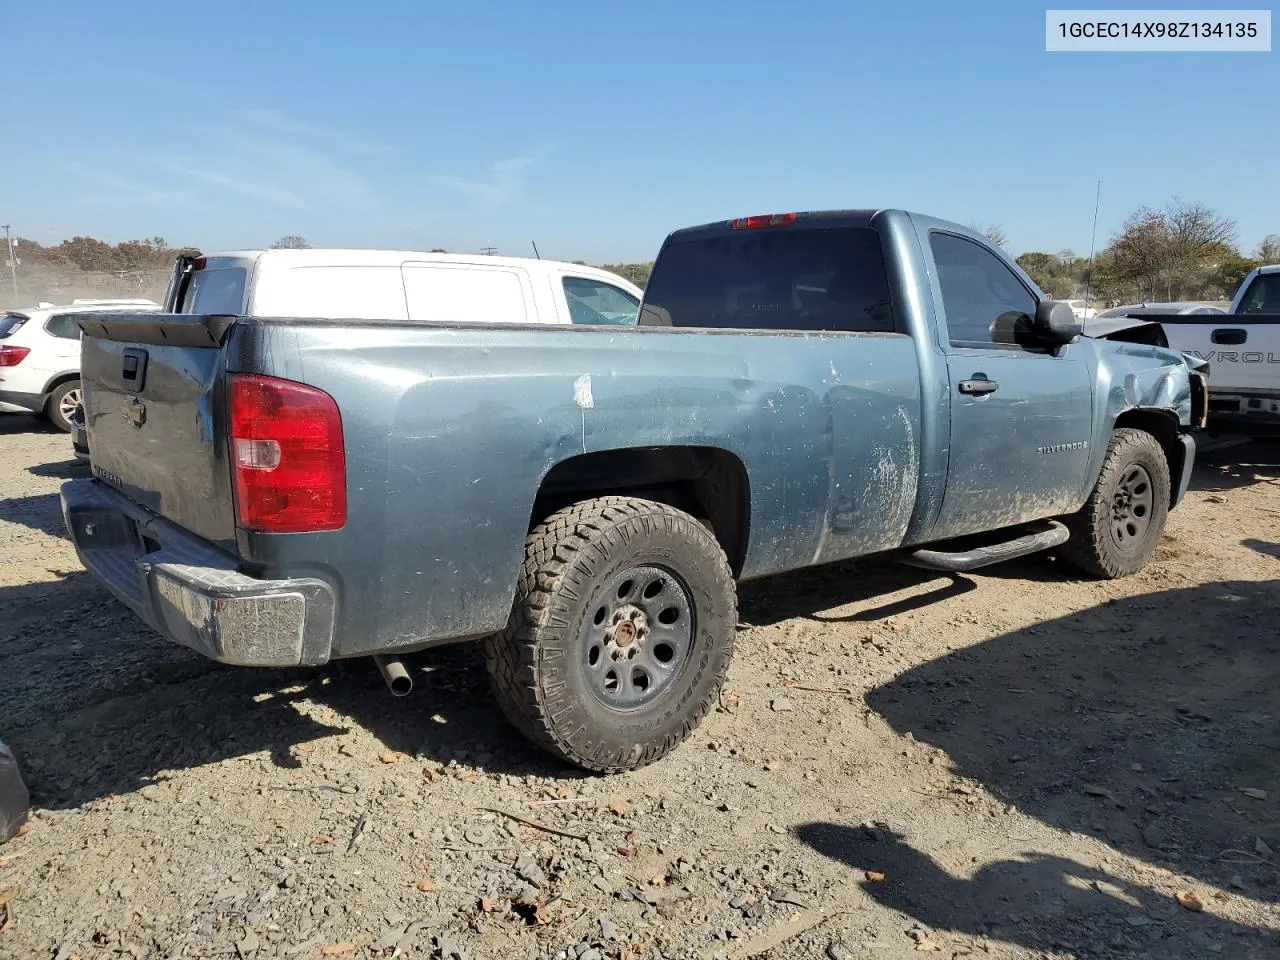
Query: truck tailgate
x=1243, y=350
x=154, y=417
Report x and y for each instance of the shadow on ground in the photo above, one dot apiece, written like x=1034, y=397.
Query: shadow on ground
x=95, y=703
x=1033, y=900
x=62, y=469
x=1141, y=722
x=41, y=512
x=1237, y=466
x=11, y=423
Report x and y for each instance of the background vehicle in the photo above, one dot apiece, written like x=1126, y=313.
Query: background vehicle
x=1081, y=311
x=799, y=389
x=1242, y=347
x=1142, y=309
x=406, y=286
x=40, y=357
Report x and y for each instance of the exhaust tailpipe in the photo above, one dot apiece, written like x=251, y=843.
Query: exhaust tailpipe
x=394, y=673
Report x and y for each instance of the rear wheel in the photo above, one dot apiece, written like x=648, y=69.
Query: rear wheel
x=620, y=636
x=1121, y=524
x=62, y=404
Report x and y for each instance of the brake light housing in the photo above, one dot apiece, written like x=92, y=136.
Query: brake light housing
x=287, y=455
x=762, y=221
x=11, y=356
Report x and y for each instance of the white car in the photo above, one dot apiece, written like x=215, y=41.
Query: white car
x=398, y=285
x=40, y=357
x=1081, y=311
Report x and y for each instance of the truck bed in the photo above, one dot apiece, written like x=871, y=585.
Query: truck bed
x=827, y=430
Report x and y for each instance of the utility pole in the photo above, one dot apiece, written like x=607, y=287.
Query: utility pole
x=13, y=261
x=488, y=251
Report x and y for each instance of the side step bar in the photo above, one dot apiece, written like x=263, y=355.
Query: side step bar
x=1051, y=534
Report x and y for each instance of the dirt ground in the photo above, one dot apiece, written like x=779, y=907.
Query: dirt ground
x=1012, y=764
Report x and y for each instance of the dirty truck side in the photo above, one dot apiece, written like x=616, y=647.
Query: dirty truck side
x=799, y=390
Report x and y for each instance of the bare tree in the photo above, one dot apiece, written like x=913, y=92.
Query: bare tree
x=993, y=232
x=1172, y=253
x=291, y=243
x=1269, y=248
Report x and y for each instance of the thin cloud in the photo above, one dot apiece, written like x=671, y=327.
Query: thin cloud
x=281, y=125
x=259, y=188
x=505, y=182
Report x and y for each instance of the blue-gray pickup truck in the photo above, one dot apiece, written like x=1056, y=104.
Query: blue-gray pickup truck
x=796, y=390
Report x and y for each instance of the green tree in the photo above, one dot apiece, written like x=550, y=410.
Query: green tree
x=1232, y=269
x=1049, y=273
x=637, y=273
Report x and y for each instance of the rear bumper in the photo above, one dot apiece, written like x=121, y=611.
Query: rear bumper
x=1247, y=412
x=189, y=591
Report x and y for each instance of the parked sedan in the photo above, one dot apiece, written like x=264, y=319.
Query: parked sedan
x=1138, y=309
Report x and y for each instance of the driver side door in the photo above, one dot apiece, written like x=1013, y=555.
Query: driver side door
x=1021, y=416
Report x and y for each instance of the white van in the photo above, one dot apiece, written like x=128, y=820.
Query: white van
x=400, y=285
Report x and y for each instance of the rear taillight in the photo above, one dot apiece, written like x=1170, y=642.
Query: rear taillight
x=12, y=356
x=287, y=454
x=764, y=220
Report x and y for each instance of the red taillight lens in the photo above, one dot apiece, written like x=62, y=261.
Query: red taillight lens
x=287, y=454
x=764, y=220
x=12, y=356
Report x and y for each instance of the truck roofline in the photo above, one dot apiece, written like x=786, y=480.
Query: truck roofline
x=861, y=217
x=364, y=256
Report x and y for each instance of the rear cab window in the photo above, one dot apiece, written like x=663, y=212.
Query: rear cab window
x=802, y=279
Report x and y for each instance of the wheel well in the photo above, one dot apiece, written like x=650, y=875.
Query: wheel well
x=706, y=482
x=58, y=381
x=1163, y=426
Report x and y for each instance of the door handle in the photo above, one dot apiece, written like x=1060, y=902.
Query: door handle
x=979, y=386
x=1229, y=337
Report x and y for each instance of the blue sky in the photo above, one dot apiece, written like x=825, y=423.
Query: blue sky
x=597, y=128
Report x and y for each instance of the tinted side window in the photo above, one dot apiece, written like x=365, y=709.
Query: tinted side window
x=595, y=302
x=815, y=278
x=977, y=290
x=63, y=325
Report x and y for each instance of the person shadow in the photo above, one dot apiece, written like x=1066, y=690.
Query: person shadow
x=1037, y=901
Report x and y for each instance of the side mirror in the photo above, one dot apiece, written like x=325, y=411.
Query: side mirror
x=1056, y=323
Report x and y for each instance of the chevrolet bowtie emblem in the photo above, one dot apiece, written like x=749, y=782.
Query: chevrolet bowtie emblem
x=135, y=411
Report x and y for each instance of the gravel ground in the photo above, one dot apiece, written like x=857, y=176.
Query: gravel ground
x=1011, y=764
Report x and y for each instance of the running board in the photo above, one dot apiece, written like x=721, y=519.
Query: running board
x=1052, y=534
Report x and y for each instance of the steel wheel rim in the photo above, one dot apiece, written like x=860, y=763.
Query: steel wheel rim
x=637, y=637
x=68, y=404
x=1131, y=507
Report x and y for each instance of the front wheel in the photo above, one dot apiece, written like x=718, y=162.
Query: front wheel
x=1121, y=524
x=620, y=636
x=62, y=404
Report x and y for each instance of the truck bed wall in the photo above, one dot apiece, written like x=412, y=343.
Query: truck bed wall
x=450, y=431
